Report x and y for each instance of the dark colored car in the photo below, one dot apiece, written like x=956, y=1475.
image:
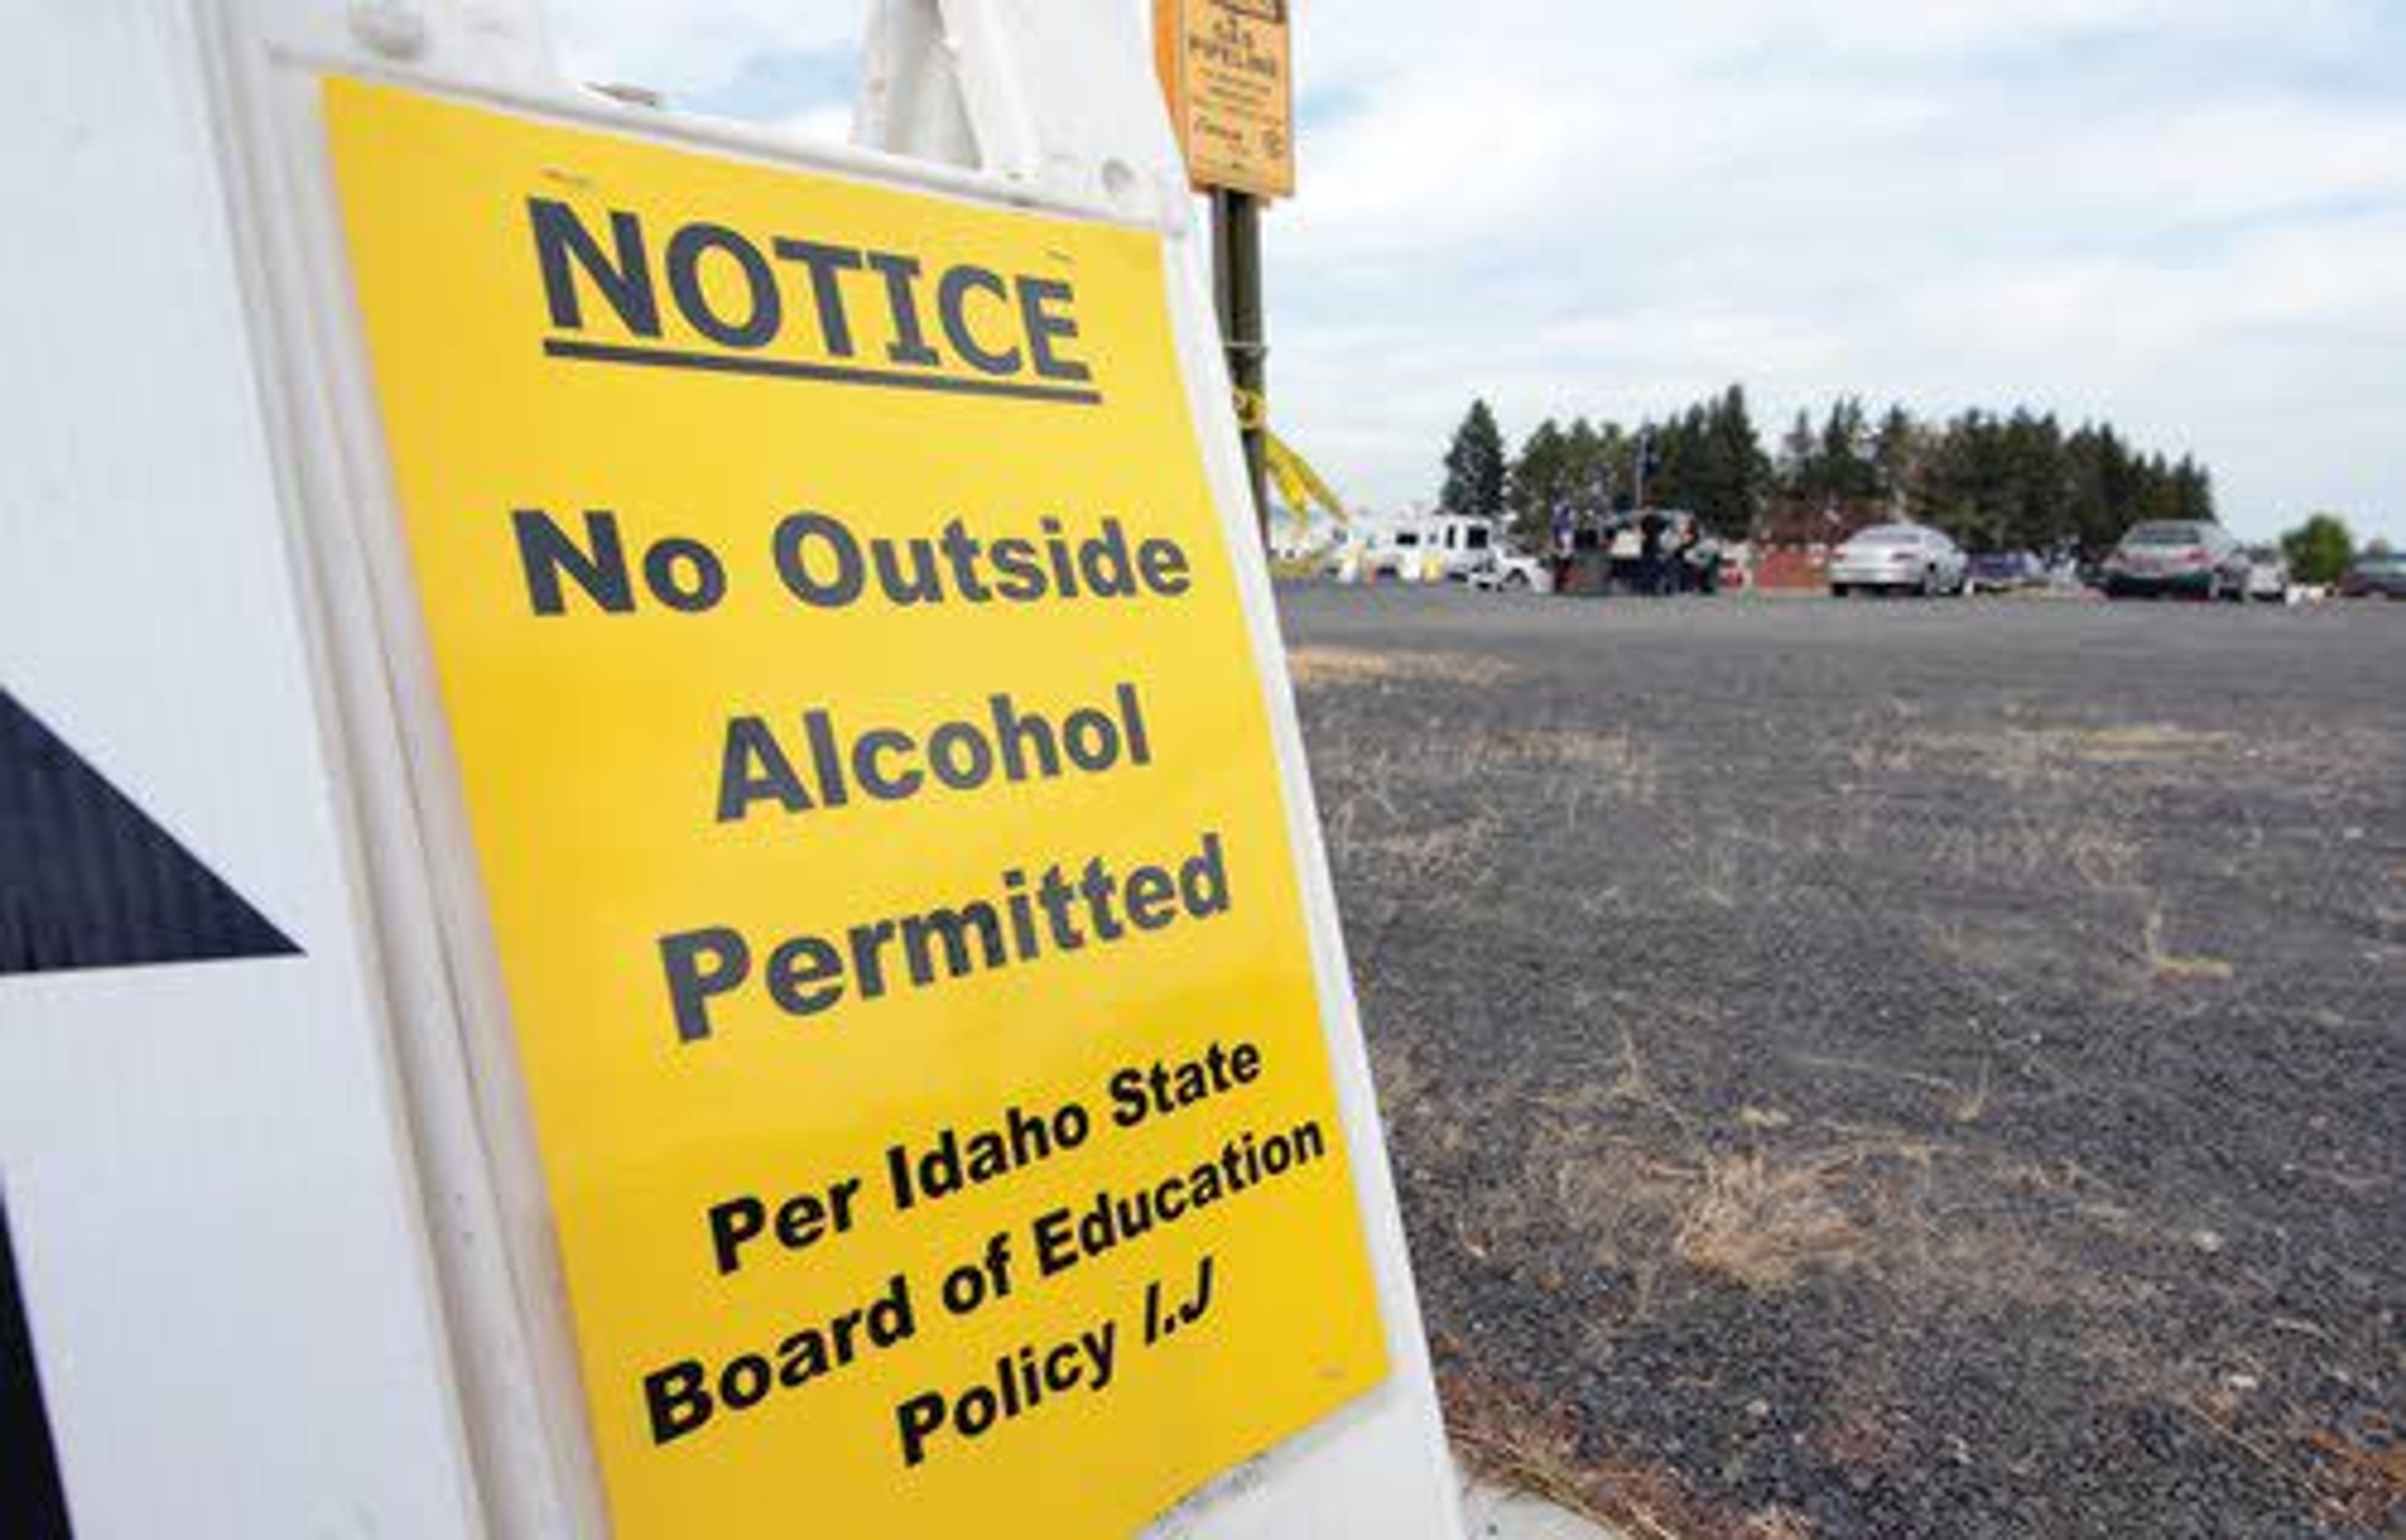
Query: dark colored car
x=2177, y=556
x=2382, y=576
x=2004, y=573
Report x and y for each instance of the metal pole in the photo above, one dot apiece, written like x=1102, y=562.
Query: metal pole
x=1237, y=284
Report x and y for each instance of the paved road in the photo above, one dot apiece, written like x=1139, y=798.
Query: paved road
x=1891, y=1068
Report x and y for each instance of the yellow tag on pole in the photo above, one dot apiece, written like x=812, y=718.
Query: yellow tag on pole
x=872, y=787
x=1228, y=71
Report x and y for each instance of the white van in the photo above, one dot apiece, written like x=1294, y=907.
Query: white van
x=1459, y=548
x=1419, y=547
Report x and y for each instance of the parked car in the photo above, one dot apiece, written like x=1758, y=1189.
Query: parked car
x=1900, y=559
x=2176, y=556
x=2004, y=573
x=2372, y=576
x=2267, y=576
x=1514, y=572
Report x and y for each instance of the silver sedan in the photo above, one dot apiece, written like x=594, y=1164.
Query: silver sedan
x=1898, y=559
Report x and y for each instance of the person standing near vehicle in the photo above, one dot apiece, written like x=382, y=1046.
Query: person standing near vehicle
x=1650, y=527
x=1687, y=559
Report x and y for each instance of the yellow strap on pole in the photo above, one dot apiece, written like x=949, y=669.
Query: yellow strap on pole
x=1300, y=486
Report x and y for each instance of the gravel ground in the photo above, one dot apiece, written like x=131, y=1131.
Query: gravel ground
x=1889, y=1068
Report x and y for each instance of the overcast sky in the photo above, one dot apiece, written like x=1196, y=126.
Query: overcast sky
x=2184, y=216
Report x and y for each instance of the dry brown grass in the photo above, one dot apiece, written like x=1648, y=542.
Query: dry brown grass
x=1579, y=766
x=2018, y=844
x=1509, y=1439
x=2027, y=757
x=1374, y=800
x=2137, y=743
x=2102, y=859
x=2005, y=946
x=1778, y=1522
x=1339, y=666
x=1655, y=1204
x=2360, y=1484
x=1655, y=1193
x=2172, y=966
x=1761, y=1222
x=1527, y=1454
x=1440, y=854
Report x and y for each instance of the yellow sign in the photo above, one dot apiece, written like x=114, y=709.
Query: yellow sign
x=1228, y=71
x=873, y=791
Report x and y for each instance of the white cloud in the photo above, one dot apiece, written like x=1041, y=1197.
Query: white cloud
x=2142, y=210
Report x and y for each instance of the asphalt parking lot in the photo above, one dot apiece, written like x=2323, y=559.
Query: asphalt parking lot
x=1889, y=1068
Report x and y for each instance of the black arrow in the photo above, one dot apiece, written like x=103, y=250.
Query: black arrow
x=29, y=1490
x=88, y=880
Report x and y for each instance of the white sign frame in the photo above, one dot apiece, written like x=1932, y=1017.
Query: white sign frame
x=478, y=1420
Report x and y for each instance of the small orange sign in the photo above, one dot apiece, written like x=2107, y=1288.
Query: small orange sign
x=1226, y=68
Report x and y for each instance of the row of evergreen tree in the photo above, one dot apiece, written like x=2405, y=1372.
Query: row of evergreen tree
x=2016, y=481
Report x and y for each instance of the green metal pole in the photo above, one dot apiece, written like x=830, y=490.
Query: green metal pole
x=1237, y=269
